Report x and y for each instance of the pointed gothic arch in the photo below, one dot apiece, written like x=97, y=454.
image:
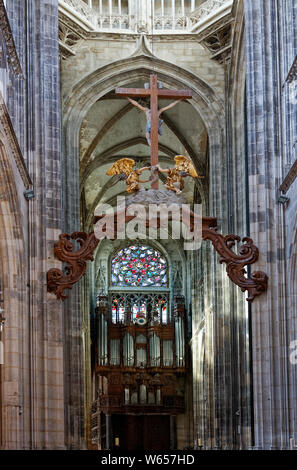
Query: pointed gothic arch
x=107, y=249
x=97, y=84
x=85, y=93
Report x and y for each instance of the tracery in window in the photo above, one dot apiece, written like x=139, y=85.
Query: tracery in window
x=139, y=266
x=126, y=307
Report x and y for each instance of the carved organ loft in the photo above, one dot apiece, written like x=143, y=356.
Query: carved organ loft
x=140, y=355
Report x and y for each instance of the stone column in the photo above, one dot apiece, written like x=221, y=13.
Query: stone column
x=35, y=403
x=265, y=133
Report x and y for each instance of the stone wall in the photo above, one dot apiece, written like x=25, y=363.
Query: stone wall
x=33, y=373
x=187, y=53
x=244, y=384
x=271, y=126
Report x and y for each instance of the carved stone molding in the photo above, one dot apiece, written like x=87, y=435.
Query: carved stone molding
x=8, y=131
x=70, y=37
x=207, y=8
x=217, y=39
x=69, y=40
x=130, y=25
x=132, y=36
x=12, y=55
x=215, y=28
x=82, y=8
x=69, y=23
x=58, y=281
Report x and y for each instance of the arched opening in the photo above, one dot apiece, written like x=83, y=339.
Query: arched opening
x=101, y=128
x=139, y=266
x=139, y=341
x=139, y=285
x=99, y=87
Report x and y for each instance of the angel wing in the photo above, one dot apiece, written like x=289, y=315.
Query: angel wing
x=182, y=163
x=125, y=165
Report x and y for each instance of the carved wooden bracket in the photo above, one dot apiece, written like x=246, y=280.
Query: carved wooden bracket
x=76, y=261
x=248, y=254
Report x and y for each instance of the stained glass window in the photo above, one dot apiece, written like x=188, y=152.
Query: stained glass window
x=131, y=306
x=139, y=266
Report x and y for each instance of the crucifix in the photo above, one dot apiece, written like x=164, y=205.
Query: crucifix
x=58, y=281
x=154, y=93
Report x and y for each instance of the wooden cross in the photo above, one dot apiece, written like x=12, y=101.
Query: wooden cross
x=154, y=92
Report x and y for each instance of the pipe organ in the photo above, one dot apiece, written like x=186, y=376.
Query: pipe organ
x=139, y=366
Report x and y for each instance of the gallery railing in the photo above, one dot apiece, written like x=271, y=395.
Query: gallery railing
x=168, y=17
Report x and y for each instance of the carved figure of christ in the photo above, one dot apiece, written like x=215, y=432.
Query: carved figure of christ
x=153, y=113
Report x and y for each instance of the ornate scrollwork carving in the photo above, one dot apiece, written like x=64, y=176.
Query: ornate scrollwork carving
x=248, y=254
x=12, y=55
x=58, y=281
x=76, y=261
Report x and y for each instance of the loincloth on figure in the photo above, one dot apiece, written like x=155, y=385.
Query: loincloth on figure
x=149, y=126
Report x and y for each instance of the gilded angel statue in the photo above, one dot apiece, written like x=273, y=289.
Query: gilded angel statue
x=175, y=176
x=124, y=168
